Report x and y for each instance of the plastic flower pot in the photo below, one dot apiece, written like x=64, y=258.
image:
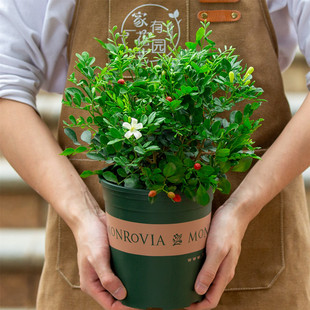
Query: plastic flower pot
x=157, y=249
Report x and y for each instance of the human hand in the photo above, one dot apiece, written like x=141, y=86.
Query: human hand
x=96, y=276
x=223, y=250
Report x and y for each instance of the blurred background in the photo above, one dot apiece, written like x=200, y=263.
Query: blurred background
x=23, y=212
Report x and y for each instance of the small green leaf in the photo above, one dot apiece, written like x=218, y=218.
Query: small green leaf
x=153, y=148
x=114, y=141
x=88, y=173
x=121, y=172
x=243, y=165
x=202, y=196
x=86, y=136
x=72, y=119
x=191, y=45
x=224, y=186
x=110, y=176
x=222, y=152
x=151, y=118
x=132, y=182
x=80, y=149
x=72, y=135
x=139, y=150
x=68, y=151
x=200, y=34
x=169, y=169
x=95, y=156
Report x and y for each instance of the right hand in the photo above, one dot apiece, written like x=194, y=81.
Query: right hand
x=96, y=276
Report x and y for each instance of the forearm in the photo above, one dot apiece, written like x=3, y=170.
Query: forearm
x=285, y=159
x=29, y=146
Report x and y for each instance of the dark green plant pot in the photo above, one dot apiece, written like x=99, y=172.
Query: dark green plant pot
x=157, y=249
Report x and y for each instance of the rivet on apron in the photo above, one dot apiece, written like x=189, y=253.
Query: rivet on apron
x=234, y=15
x=204, y=15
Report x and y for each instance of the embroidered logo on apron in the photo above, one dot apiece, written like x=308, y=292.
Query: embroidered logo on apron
x=139, y=22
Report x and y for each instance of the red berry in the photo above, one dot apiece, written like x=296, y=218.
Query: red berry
x=169, y=98
x=177, y=198
x=152, y=193
x=121, y=81
x=171, y=195
x=197, y=166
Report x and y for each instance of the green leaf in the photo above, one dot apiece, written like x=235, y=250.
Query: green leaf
x=72, y=135
x=191, y=45
x=206, y=170
x=114, y=141
x=153, y=148
x=139, y=150
x=72, y=119
x=169, y=169
x=110, y=176
x=222, y=152
x=224, y=186
x=176, y=179
x=121, y=172
x=86, y=136
x=158, y=178
x=243, y=165
x=132, y=182
x=115, y=133
x=80, y=149
x=200, y=34
x=88, y=173
x=151, y=118
x=68, y=151
x=202, y=196
x=95, y=156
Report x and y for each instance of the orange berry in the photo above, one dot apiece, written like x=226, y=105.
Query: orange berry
x=177, y=198
x=171, y=195
x=169, y=98
x=152, y=193
x=121, y=81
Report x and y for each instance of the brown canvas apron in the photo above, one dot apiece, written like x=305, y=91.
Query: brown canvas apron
x=274, y=267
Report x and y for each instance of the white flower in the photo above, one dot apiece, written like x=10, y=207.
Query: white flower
x=133, y=128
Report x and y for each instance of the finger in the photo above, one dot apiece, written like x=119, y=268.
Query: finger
x=224, y=275
x=209, y=270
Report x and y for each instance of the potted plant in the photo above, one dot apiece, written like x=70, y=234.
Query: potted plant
x=168, y=147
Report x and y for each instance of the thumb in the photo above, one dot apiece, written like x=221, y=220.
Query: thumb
x=111, y=282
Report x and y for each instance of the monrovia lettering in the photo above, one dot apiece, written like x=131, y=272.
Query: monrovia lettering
x=201, y=233
x=126, y=236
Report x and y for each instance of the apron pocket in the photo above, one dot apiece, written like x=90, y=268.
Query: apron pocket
x=262, y=250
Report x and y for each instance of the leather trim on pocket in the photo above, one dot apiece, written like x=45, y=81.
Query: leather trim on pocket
x=219, y=16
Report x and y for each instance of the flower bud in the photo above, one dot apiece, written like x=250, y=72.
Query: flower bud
x=152, y=193
x=249, y=71
x=231, y=77
x=171, y=195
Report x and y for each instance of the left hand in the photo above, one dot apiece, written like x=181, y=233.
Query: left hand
x=223, y=250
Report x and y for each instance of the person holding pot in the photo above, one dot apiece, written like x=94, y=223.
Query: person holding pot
x=266, y=215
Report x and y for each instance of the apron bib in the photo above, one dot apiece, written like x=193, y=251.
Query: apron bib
x=276, y=247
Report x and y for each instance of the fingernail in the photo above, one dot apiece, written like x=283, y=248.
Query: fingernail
x=200, y=288
x=120, y=293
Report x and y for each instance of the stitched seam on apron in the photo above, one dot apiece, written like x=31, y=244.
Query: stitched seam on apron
x=271, y=32
x=282, y=257
x=187, y=22
x=58, y=257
